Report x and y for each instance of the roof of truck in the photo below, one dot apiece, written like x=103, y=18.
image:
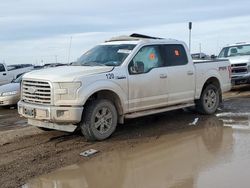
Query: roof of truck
x=239, y=44
x=135, y=37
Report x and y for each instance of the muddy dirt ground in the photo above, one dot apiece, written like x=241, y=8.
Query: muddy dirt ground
x=27, y=152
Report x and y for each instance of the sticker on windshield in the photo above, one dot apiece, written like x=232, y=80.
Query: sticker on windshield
x=124, y=51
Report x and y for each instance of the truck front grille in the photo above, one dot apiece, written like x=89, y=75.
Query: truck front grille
x=239, y=65
x=36, y=92
x=240, y=68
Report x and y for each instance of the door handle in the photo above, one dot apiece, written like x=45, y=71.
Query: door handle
x=163, y=76
x=4, y=74
x=190, y=73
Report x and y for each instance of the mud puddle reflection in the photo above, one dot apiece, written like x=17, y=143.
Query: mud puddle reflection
x=211, y=154
x=10, y=119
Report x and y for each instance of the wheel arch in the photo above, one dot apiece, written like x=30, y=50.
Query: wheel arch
x=216, y=82
x=111, y=96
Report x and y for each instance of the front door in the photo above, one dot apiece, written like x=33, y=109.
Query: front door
x=147, y=80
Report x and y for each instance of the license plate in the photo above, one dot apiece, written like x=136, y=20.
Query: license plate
x=29, y=112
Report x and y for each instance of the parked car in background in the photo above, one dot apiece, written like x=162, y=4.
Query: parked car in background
x=9, y=73
x=10, y=93
x=239, y=57
x=200, y=56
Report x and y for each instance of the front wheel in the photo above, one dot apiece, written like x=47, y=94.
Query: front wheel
x=99, y=120
x=209, y=100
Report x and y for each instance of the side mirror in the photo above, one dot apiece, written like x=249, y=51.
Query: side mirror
x=137, y=67
x=213, y=56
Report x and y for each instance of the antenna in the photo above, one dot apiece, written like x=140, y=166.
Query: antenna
x=56, y=58
x=70, y=43
x=200, y=49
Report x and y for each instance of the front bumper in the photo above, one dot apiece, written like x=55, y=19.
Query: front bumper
x=52, y=117
x=240, y=78
x=9, y=100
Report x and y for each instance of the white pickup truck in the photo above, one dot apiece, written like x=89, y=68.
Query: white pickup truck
x=123, y=78
x=7, y=74
x=239, y=56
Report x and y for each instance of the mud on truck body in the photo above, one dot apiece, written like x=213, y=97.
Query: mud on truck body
x=125, y=77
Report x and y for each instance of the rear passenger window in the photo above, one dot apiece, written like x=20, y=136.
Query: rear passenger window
x=2, y=69
x=174, y=55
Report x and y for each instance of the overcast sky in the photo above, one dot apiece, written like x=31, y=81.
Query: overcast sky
x=39, y=31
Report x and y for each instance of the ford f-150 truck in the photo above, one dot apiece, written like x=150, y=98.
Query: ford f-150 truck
x=239, y=57
x=125, y=77
x=9, y=73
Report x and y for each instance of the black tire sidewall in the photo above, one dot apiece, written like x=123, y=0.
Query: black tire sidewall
x=89, y=121
x=216, y=90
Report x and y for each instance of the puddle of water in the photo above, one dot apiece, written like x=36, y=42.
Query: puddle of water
x=179, y=159
x=22, y=122
x=214, y=153
x=235, y=120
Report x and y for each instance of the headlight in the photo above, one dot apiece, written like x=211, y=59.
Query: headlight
x=68, y=90
x=9, y=93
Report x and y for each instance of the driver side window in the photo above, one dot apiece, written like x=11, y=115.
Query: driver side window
x=146, y=59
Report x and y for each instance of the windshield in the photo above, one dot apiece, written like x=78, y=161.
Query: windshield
x=105, y=55
x=235, y=51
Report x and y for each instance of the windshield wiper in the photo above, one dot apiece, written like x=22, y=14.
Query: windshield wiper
x=92, y=64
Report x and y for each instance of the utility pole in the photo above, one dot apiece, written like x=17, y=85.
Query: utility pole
x=190, y=34
x=70, y=43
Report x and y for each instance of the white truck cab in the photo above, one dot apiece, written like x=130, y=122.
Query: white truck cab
x=9, y=73
x=124, y=77
x=4, y=78
x=239, y=56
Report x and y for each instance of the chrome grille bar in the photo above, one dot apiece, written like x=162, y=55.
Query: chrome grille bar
x=36, y=92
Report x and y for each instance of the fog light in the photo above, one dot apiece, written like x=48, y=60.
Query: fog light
x=62, y=113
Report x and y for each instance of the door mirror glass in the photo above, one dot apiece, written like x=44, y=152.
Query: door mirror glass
x=213, y=56
x=137, y=67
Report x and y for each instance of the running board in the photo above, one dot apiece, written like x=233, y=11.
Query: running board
x=157, y=110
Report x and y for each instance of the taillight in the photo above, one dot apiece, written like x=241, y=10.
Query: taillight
x=230, y=71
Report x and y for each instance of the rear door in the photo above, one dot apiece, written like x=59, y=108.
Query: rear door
x=3, y=75
x=180, y=72
x=147, y=88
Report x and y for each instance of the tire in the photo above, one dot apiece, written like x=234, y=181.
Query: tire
x=99, y=120
x=209, y=100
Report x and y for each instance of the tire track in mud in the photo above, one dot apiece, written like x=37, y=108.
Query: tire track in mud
x=30, y=156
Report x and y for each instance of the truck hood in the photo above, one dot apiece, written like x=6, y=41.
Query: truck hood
x=239, y=59
x=66, y=73
x=9, y=87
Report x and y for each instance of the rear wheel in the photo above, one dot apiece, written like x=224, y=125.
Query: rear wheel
x=209, y=100
x=99, y=120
